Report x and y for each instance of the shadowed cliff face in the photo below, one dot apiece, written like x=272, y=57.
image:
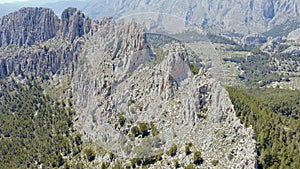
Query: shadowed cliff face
x=112, y=73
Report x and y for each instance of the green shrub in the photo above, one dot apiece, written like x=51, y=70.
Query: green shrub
x=195, y=69
x=214, y=162
x=78, y=140
x=90, y=154
x=154, y=130
x=173, y=150
x=118, y=165
x=112, y=156
x=190, y=166
x=60, y=160
x=149, y=160
x=105, y=165
x=121, y=120
x=197, y=158
x=49, y=130
x=274, y=116
x=176, y=164
x=159, y=155
x=136, y=161
x=144, y=129
x=135, y=131
x=201, y=115
x=187, y=148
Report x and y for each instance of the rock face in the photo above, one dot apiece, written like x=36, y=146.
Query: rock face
x=31, y=25
x=117, y=84
x=184, y=108
x=241, y=16
x=74, y=24
x=28, y=26
x=294, y=35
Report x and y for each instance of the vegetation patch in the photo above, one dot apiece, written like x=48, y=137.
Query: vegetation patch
x=34, y=129
x=198, y=160
x=173, y=150
x=273, y=114
x=195, y=69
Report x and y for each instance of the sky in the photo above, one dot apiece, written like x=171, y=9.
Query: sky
x=10, y=1
x=44, y=1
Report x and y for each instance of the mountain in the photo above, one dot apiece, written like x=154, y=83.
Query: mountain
x=237, y=16
x=133, y=104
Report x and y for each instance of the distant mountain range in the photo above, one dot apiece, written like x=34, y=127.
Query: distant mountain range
x=77, y=92
x=237, y=16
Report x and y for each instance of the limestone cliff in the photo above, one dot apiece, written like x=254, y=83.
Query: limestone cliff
x=22, y=34
x=28, y=26
x=32, y=25
x=119, y=86
x=130, y=101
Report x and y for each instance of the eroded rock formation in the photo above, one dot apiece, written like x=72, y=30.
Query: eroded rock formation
x=116, y=83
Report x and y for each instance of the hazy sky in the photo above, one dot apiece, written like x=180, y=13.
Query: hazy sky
x=9, y=1
x=44, y=1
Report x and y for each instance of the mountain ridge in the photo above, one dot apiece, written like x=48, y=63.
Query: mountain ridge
x=133, y=103
x=237, y=16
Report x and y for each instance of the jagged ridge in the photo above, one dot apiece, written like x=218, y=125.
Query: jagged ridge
x=113, y=73
x=32, y=25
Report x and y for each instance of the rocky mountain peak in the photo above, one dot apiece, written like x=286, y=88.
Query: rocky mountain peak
x=74, y=24
x=28, y=26
x=177, y=63
x=116, y=84
x=33, y=25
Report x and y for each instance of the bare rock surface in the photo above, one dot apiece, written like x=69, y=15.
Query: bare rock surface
x=294, y=35
x=117, y=83
x=28, y=26
x=34, y=25
x=183, y=107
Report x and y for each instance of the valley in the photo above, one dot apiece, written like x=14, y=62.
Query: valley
x=151, y=84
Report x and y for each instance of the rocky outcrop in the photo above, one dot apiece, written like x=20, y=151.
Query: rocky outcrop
x=28, y=26
x=55, y=57
x=34, y=25
x=118, y=77
x=294, y=35
x=74, y=24
x=116, y=83
x=184, y=108
x=177, y=65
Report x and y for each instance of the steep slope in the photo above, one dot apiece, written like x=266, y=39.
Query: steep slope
x=124, y=94
x=23, y=32
x=133, y=106
x=240, y=16
x=28, y=26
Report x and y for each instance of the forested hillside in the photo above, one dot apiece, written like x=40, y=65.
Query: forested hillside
x=274, y=116
x=35, y=130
